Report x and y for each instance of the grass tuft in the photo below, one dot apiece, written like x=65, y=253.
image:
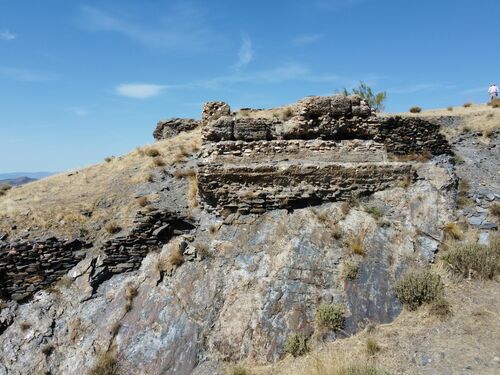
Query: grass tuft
x=372, y=347
x=152, y=152
x=105, y=364
x=112, y=228
x=239, y=370
x=467, y=105
x=415, y=109
x=452, y=231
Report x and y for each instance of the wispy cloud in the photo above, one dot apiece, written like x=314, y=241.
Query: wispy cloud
x=420, y=87
x=6, y=35
x=78, y=111
x=139, y=90
x=25, y=75
x=185, y=28
x=245, y=53
x=307, y=39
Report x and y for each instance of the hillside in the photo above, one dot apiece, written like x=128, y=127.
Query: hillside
x=203, y=253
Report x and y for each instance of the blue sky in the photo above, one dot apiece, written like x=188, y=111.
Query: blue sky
x=82, y=80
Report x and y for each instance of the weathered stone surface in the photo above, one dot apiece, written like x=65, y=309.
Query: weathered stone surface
x=214, y=110
x=221, y=129
x=170, y=128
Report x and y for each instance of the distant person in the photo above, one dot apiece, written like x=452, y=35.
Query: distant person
x=493, y=91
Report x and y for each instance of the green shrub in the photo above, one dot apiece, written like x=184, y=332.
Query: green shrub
x=473, y=260
x=296, y=344
x=374, y=100
x=330, y=316
x=374, y=211
x=415, y=109
x=418, y=287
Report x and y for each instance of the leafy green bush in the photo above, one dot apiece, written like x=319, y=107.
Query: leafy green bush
x=418, y=287
x=330, y=316
x=296, y=344
x=376, y=101
x=473, y=260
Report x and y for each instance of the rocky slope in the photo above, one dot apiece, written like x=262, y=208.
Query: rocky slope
x=194, y=291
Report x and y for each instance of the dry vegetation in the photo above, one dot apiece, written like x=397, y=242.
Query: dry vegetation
x=76, y=201
x=105, y=364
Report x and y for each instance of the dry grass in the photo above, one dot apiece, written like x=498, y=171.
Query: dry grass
x=142, y=201
x=452, y=231
x=467, y=105
x=372, y=347
x=56, y=205
x=152, y=152
x=239, y=370
x=463, y=193
x=495, y=210
x=25, y=326
x=105, y=364
x=130, y=293
x=75, y=327
x=112, y=228
x=176, y=258
x=415, y=109
x=422, y=157
x=183, y=173
x=159, y=162
x=4, y=189
x=192, y=191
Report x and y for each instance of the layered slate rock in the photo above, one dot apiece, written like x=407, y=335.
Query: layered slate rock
x=170, y=128
x=328, y=149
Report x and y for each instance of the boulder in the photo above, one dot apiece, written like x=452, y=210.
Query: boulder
x=170, y=128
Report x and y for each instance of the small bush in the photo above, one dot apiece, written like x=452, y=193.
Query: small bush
x=495, y=209
x=330, y=316
x=130, y=293
x=463, y=193
x=372, y=347
x=473, y=260
x=112, y=228
x=296, y=344
x=105, y=364
x=374, y=211
x=239, y=370
x=418, y=287
x=153, y=152
x=415, y=109
x=495, y=103
x=337, y=232
x=4, y=189
x=25, y=326
x=452, y=231
x=450, y=109
x=467, y=105
x=356, y=245
x=212, y=229
x=203, y=250
x=351, y=270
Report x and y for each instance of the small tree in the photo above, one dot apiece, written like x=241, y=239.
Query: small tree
x=376, y=101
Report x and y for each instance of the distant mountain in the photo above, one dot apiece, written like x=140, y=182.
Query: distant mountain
x=16, y=181
x=34, y=175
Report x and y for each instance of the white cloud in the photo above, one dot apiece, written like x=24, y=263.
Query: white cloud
x=78, y=111
x=139, y=90
x=7, y=36
x=245, y=53
x=183, y=29
x=25, y=75
x=307, y=39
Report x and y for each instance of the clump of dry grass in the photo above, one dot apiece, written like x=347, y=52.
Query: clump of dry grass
x=152, y=152
x=4, y=189
x=452, y=231
x=350, y=270
x=336, y=231
x=74, y=329
x=372, y=347
x=202, y=250
x=449, y=109
x=112, y=228
x=130, y=293
x=322, y=216
x=374, y=211
x=109, y=159
x=178, y=174
x=467, y=105
x=239, y=370
x=463, y=193
x=329, y=364
x=48, y=349
x=471, y=260
x=286, y=114
x=421, y=157
x=440, y=308
x=415, y=109
x=105, y=364
x=495, y=210
x=418, y=287
x=356, y=242
x=192, y=191
x=25, y=326
x=176, y=258
x=142, y=201
x=159, y=162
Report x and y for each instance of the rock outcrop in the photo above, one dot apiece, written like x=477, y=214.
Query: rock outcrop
x=174, y=126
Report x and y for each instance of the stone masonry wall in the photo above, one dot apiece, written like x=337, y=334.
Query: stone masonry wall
x=28, y=266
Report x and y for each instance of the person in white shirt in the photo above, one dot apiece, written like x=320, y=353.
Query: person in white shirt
x=493, y=91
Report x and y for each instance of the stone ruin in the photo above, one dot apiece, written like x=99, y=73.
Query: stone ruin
x=321, y=149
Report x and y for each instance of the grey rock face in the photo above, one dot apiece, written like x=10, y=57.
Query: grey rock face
x=170, y=128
